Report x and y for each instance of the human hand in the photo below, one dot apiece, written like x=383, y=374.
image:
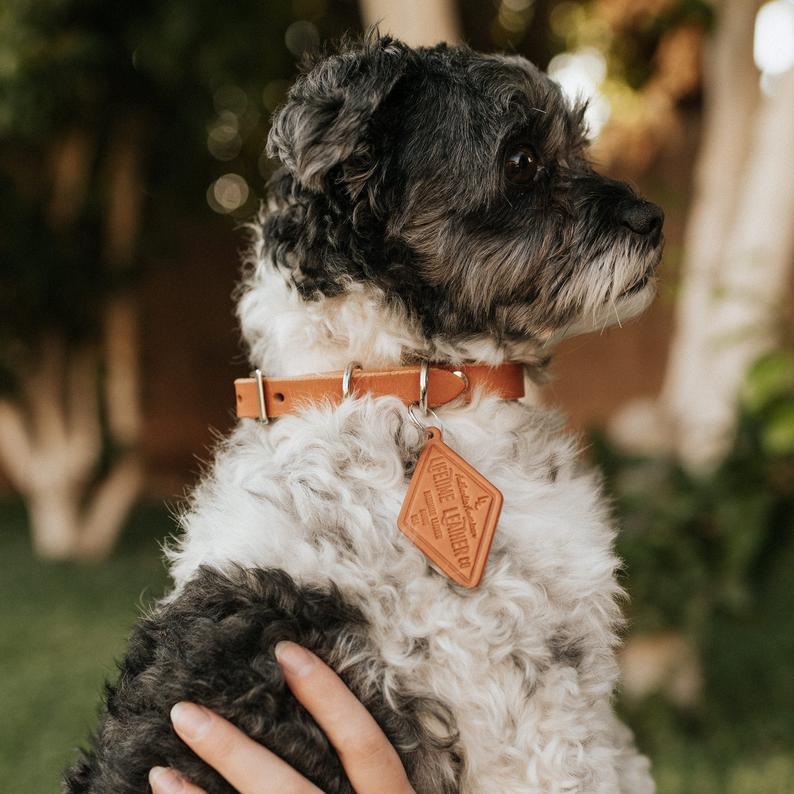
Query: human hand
x=370, y=762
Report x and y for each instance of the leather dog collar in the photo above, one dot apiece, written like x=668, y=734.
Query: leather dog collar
x=266, y=398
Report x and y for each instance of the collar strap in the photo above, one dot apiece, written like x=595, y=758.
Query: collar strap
x=266, y=398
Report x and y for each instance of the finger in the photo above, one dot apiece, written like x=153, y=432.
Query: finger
x=169, y=781
x=371, y=763
x=247, y=765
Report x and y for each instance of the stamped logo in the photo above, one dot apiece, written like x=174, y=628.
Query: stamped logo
x=450, y=512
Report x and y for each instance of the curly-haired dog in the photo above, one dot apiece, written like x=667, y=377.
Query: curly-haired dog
x=434, y=205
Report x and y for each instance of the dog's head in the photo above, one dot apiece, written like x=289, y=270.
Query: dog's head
x=458, y=183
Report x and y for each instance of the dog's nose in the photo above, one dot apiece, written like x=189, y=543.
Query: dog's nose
x=642, y=217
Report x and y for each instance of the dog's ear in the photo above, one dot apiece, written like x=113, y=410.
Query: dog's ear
x=325, y=119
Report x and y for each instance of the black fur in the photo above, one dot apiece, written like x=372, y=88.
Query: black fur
x=394, y=174
x=213, y=645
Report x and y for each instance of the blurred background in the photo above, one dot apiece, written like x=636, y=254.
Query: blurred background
x=131, y=150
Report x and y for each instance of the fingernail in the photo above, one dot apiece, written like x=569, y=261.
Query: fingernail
x=191, y=720
x=165, y=781
x=293, y=658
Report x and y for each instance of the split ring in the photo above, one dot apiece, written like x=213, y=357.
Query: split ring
x=421, y=425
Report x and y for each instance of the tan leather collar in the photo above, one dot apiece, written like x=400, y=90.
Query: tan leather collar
x=288, y=395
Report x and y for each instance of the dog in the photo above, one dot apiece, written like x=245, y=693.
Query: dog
x=433, y=205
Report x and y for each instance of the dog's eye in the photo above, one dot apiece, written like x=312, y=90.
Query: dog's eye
x=521, y=166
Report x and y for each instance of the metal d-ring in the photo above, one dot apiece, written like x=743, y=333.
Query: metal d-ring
x=260, y=396
x=424, y=379
x=347, y=377
x=424, y=371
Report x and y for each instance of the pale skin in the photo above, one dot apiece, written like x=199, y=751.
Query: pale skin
x=370, y=762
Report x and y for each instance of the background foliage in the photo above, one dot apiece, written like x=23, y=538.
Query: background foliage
x=697, y=546
x=197, y=78
x=711, y=557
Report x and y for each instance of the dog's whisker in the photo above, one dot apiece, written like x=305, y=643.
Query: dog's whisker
x=614, y=306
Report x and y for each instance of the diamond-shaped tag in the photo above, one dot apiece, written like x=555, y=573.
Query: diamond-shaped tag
x=450, y=512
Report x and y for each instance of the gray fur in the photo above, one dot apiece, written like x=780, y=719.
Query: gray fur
x=394, y=174
x=214, y=646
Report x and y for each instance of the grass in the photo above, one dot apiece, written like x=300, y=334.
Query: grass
x=62, y=626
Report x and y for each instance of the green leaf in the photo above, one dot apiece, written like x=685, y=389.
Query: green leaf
x=777, y=435
x=771, y=377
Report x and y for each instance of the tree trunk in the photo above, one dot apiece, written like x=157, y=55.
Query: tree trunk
x=51, y=438
x=745, y=305
x=738, y=254
x=416, y=22
x=121, y=317
x=112, y=501
x=50, y=445
x=730, y=88
x=54, y=522
x=50, y=442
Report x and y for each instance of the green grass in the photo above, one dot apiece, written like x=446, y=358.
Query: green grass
x=62, y=626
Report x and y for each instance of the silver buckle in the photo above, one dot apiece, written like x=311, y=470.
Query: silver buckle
x=260, y=393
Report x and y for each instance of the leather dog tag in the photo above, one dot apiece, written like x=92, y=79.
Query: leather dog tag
x=450, y=512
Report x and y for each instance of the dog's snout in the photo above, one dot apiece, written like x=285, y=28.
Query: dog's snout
x=642, y=217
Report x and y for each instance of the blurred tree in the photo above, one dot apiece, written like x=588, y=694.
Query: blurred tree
x=114, y=117
x=416, y=22
x=708, y=560
x=739, y=251
x=739, y=244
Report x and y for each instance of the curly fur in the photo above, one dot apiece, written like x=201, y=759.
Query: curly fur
x=214, y=645
x=392, y=236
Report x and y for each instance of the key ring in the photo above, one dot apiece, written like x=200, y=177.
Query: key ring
x=421, y=425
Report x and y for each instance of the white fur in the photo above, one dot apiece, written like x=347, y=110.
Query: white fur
x=317, y=494
x=599, y=292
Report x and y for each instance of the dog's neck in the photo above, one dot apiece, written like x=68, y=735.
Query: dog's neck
x=288, y=335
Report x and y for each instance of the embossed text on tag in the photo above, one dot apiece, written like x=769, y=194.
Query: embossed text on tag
x=450, y=512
